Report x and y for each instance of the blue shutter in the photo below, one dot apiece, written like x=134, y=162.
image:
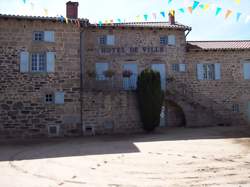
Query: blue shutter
x=246, y=69
x=182, y=67
x=131, y=82
x=49, y=36
x=24, y=62
x=200, y=72
x=217, y=71
x=50, y=59
x=59, y=98
x=100, y=69
x=110, y=40
x=171, y=40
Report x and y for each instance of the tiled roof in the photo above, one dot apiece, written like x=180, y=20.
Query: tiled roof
x=7, y=16
x=219, y=45
x=148, y=25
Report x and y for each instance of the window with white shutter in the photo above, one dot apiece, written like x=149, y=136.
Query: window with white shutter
x=217, y=71
x=183, y=67
x=200, y=72
x=209, y=71
x=24, y=62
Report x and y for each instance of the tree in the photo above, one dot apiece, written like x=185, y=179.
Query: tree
x=150, y=98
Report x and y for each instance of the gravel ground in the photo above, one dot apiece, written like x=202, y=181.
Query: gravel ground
x=216, y=156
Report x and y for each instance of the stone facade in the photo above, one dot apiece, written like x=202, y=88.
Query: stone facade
x=104, y=106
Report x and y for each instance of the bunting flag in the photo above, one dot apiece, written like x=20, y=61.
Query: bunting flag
x=238, y=16
x=229, y=12
x=154, y=16
x=190, y=9
x=218, y=10
x=138, y=18
x=163, y=14
x=111, y=21
x=146, y=17
x=45, y=12
x=196, y=3
x=24, y=1
x=169, y=1
x=237, y=1
x=182, y=10
x=119, y=20
x=32, y=6
x=202, y=6
x=248, y=19
x=100, y=23
x=206, y=7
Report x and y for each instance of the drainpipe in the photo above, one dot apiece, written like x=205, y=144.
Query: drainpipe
x=81, y=75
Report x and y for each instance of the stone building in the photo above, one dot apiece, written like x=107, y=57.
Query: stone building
x=69, y=78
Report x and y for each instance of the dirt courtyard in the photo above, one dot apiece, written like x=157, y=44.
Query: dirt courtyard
x=216, y=156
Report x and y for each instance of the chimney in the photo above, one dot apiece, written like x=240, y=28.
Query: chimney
x=171, y=17
x=72, y=10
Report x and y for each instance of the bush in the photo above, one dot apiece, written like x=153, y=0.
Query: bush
x=150, y=98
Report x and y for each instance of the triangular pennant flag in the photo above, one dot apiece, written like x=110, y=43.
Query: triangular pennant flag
x=138, y=18
x=100, y=23
x=154, y=16
x=202, y=6
x=119, y=20
x=62, y=19
x=248, y=19
x=229, y=12
x=190, y=9
x=45, y=12
x=111, y=22
x=169, y=1
x=237, y=1
x=206, y=7
x=24, y=1
x=163, y=14
x=146, y=17
x=182, y=10
x=218, y=10
x=238, y=16
x=196, y=3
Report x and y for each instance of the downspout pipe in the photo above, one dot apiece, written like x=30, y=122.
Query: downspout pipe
x=81, y=76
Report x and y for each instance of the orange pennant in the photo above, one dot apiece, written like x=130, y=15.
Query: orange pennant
x=190, y=9
x=229, y=12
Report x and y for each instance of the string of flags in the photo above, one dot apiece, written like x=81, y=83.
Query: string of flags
x=189, y=8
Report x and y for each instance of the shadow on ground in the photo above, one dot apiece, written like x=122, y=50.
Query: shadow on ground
x=111, y=144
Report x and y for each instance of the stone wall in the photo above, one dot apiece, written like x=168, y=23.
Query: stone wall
x=23, y=112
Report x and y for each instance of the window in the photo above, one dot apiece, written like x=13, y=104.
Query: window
x=209, y=71
x=38, y=36
x=236, y=108
x=179, y=67
x=49, y=98
x=164, y=40
x=107, y=40
x=130, y=72
x=100, y=69
x=38, y=62
x=53, y=130
x=47, y=36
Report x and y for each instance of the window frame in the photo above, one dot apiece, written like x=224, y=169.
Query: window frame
x=52, y=98
x=38, y=32
x=163, y=40
x=38, y=63
x=208, y=71
x=236, y=108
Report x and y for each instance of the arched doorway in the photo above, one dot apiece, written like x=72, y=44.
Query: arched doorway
x=174, y=115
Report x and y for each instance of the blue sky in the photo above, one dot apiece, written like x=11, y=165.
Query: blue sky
x=205, y=25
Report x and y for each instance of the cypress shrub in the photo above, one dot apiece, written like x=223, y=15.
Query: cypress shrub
x=150, y=98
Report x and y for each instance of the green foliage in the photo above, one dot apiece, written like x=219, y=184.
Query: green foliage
x=150, y=98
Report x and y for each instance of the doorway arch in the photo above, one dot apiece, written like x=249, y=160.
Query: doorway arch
x=174, y=115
